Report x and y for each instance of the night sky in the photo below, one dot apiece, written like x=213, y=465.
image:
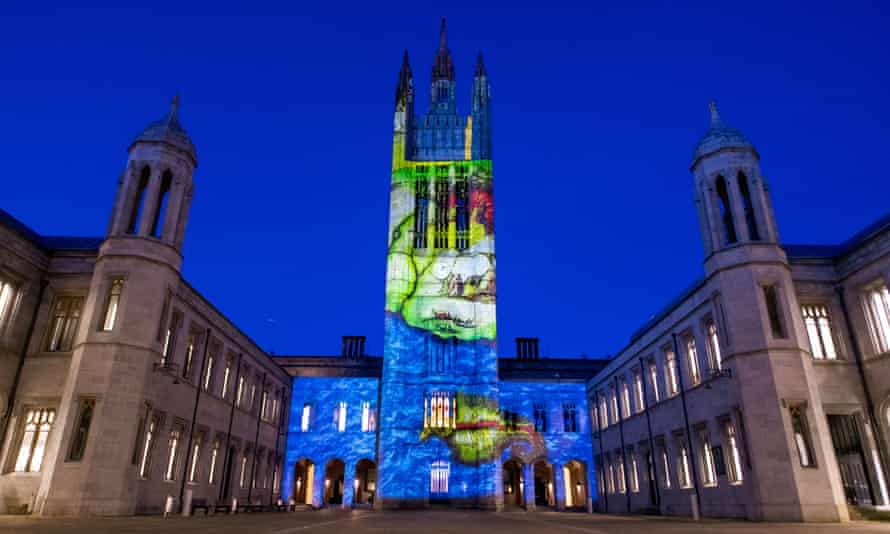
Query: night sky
x=596, y=111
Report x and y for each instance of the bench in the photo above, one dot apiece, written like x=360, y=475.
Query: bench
x=220, y=507
x=200, y=504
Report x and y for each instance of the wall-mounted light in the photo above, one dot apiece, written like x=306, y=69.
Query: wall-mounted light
x=327, y=482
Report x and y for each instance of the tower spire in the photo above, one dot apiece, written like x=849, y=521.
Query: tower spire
x=715, y=113
x=480, y=66
x=443, y=40
x=443, y=66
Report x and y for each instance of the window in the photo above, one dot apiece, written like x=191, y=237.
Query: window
x=666, y=465
x=441, y=351
x=421, y=209
x=252, y=404
x=170, y=338
x=172, y=453
x=638, y=392
x=369, y=418
x=653, y=378
x=604, y=414
x=750, y=218
x=802, y=437
x=570, y=417
x=239, y=396
x=714, y=355
x=264, y=406
x=709, y=473
x=511, y=420
x=157, y=224
x=683, y=468
x=208, y=369
x=818, y=324
x=439, y=410
x=81, y=430
x=227, y=373
x=112, y=304
x=611, y=479
x=462, y=211
x=441, y=233
x=771, y=298
x=877, y=302
x=692, y=361
x=634, y=476
x=214, y=456
x=729, y=234
x=614, y=405
x=66, y=315
x=439, y=471
x=735, y=460
x=621, y=481
x=7, y=301
x=625, y=399
x=38, y=423
x=138, y=200
x=340, y=416
x=145, y=461
x=670, y=364
x=189, y=355
x=196, y=454
x=540, y=413
x=242, y=478
x=306, y=417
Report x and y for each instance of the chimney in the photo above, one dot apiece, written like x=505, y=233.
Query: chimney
x=353, y=347
x=527, y=348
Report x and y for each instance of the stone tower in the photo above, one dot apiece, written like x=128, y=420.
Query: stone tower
x=439, y=411
x=137, y=266
x=772, y=373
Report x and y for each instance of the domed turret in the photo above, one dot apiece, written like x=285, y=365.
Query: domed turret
x=720, y=136
x=169, y=131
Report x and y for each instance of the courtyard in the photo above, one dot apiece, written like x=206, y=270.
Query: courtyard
x=431, y=521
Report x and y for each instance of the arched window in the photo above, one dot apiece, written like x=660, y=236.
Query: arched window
x=751, y=221
x=726, y=212
x=163, y=200
x=139, y=201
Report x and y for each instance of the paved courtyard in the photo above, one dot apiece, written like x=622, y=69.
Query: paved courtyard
x=445, y=521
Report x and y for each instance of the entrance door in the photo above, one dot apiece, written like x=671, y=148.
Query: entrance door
x=851, y=459
x=227, y=473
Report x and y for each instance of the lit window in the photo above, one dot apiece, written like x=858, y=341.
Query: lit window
x=306, y=417
x=38, y=423
x=189, y=355
x=708, y=470
x=66, y=315
x=735, y=459
x=540, y=417
x=611, y=479
x=369, y=418
x=570, y=417
x=818, y=325
x=82, y=430
x=692, y=361
x=340, y=416
x=670, y=363
x=666, y=465
x=653, y=378
x=441, y=215
x=112, y=304
x=145, y=461
x=714, y=347
x=439, y=410
x=634, y=476
x=683, y=468
x=214, y=456
x=621, y=487
x=208, y=370
x=239, y=396
x=227, y=373
x=172, y=452
x=421, y=209
x=771, y=298
x=878, y=305
x=462, y=210
x=604, y=413
x=802, y=437
x=7, y=300
x=264, y=406
x=614, y=405
x=439, y=471
x=252, y=396
x=638, y=392
x=170, y=338
x=242, y=478
x=196, y=453
x=625, y=399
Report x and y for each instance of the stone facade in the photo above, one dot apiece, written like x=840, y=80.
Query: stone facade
x=781, y=404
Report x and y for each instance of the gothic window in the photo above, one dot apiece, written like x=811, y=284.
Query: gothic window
x=242, y=478
x=32, y=446
x=818, y=323
x=462, y=208
x=112, y=304
x=81, y=430
x=771, y=298
x=147, y=446
x=139, y=201
x=570, y=417
x=540, y=417
x=735, y=459
x=729, y=234
x=170, y=338
x=625, y=399
x=709, y=472
x=173, y=453
x=227, y=376
x=441, y=229
x=634, y=473
x=610, y=480
x=604, y=413
x=264, y=406
x=439, y=471
x=614, y=405
x=683, y=469
x=750, y=218
x=239, y=394
x=692, y=361
x=439, y=410
x=421, y=208
x=214, y=457
x=369, y=417
x=157, y=225
x=653, y=378
x=340, y=416
x=196, y=454
x=714, y=355
x=66, y=316
x=7, y=302
x=440, y=354
x=671, y=378
x=666, y=467
x=638, y=392
x=877, y=303
x=188, y=364
x=801, y=434
x=622, y=488
x=212, y=355
x=306, y=417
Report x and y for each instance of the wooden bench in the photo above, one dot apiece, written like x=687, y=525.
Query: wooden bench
x=200, y=504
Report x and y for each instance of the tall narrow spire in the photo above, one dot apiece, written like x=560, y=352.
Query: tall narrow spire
x=443, y=66
x=443, y=40
x=715, y=113
x=404, y=90
x=480, y=66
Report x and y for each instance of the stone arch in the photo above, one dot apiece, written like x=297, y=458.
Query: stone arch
x=334, y=481
x=542, y=471
x=304, y=480
x=365, y=483
x=138, y=199
x=514, y=493
x=576, y=486
x=157, y=224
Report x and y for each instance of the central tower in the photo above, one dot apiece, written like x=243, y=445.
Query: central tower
x=439, y=438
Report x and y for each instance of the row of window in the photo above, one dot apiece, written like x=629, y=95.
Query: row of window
x=34, y=430
x=442, y=201
x=368, y=417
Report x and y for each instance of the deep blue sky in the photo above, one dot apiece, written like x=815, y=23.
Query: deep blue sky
x=596, y=112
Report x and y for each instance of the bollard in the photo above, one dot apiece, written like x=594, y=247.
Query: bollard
x=695, y=514
x=234, y=505
x=187, y=503
x=168, y=505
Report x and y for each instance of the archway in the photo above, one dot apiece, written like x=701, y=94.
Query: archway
x=543, y=484
x=575, y=476
x=304, y=477
x=512, y=484
x=333, y=482
x=365, y=483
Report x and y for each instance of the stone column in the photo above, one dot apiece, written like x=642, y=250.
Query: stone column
x=559, y=487
x=152, y=195
x=318, y=487
x=528, y=486
x=174, y=207
x=349, y=481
